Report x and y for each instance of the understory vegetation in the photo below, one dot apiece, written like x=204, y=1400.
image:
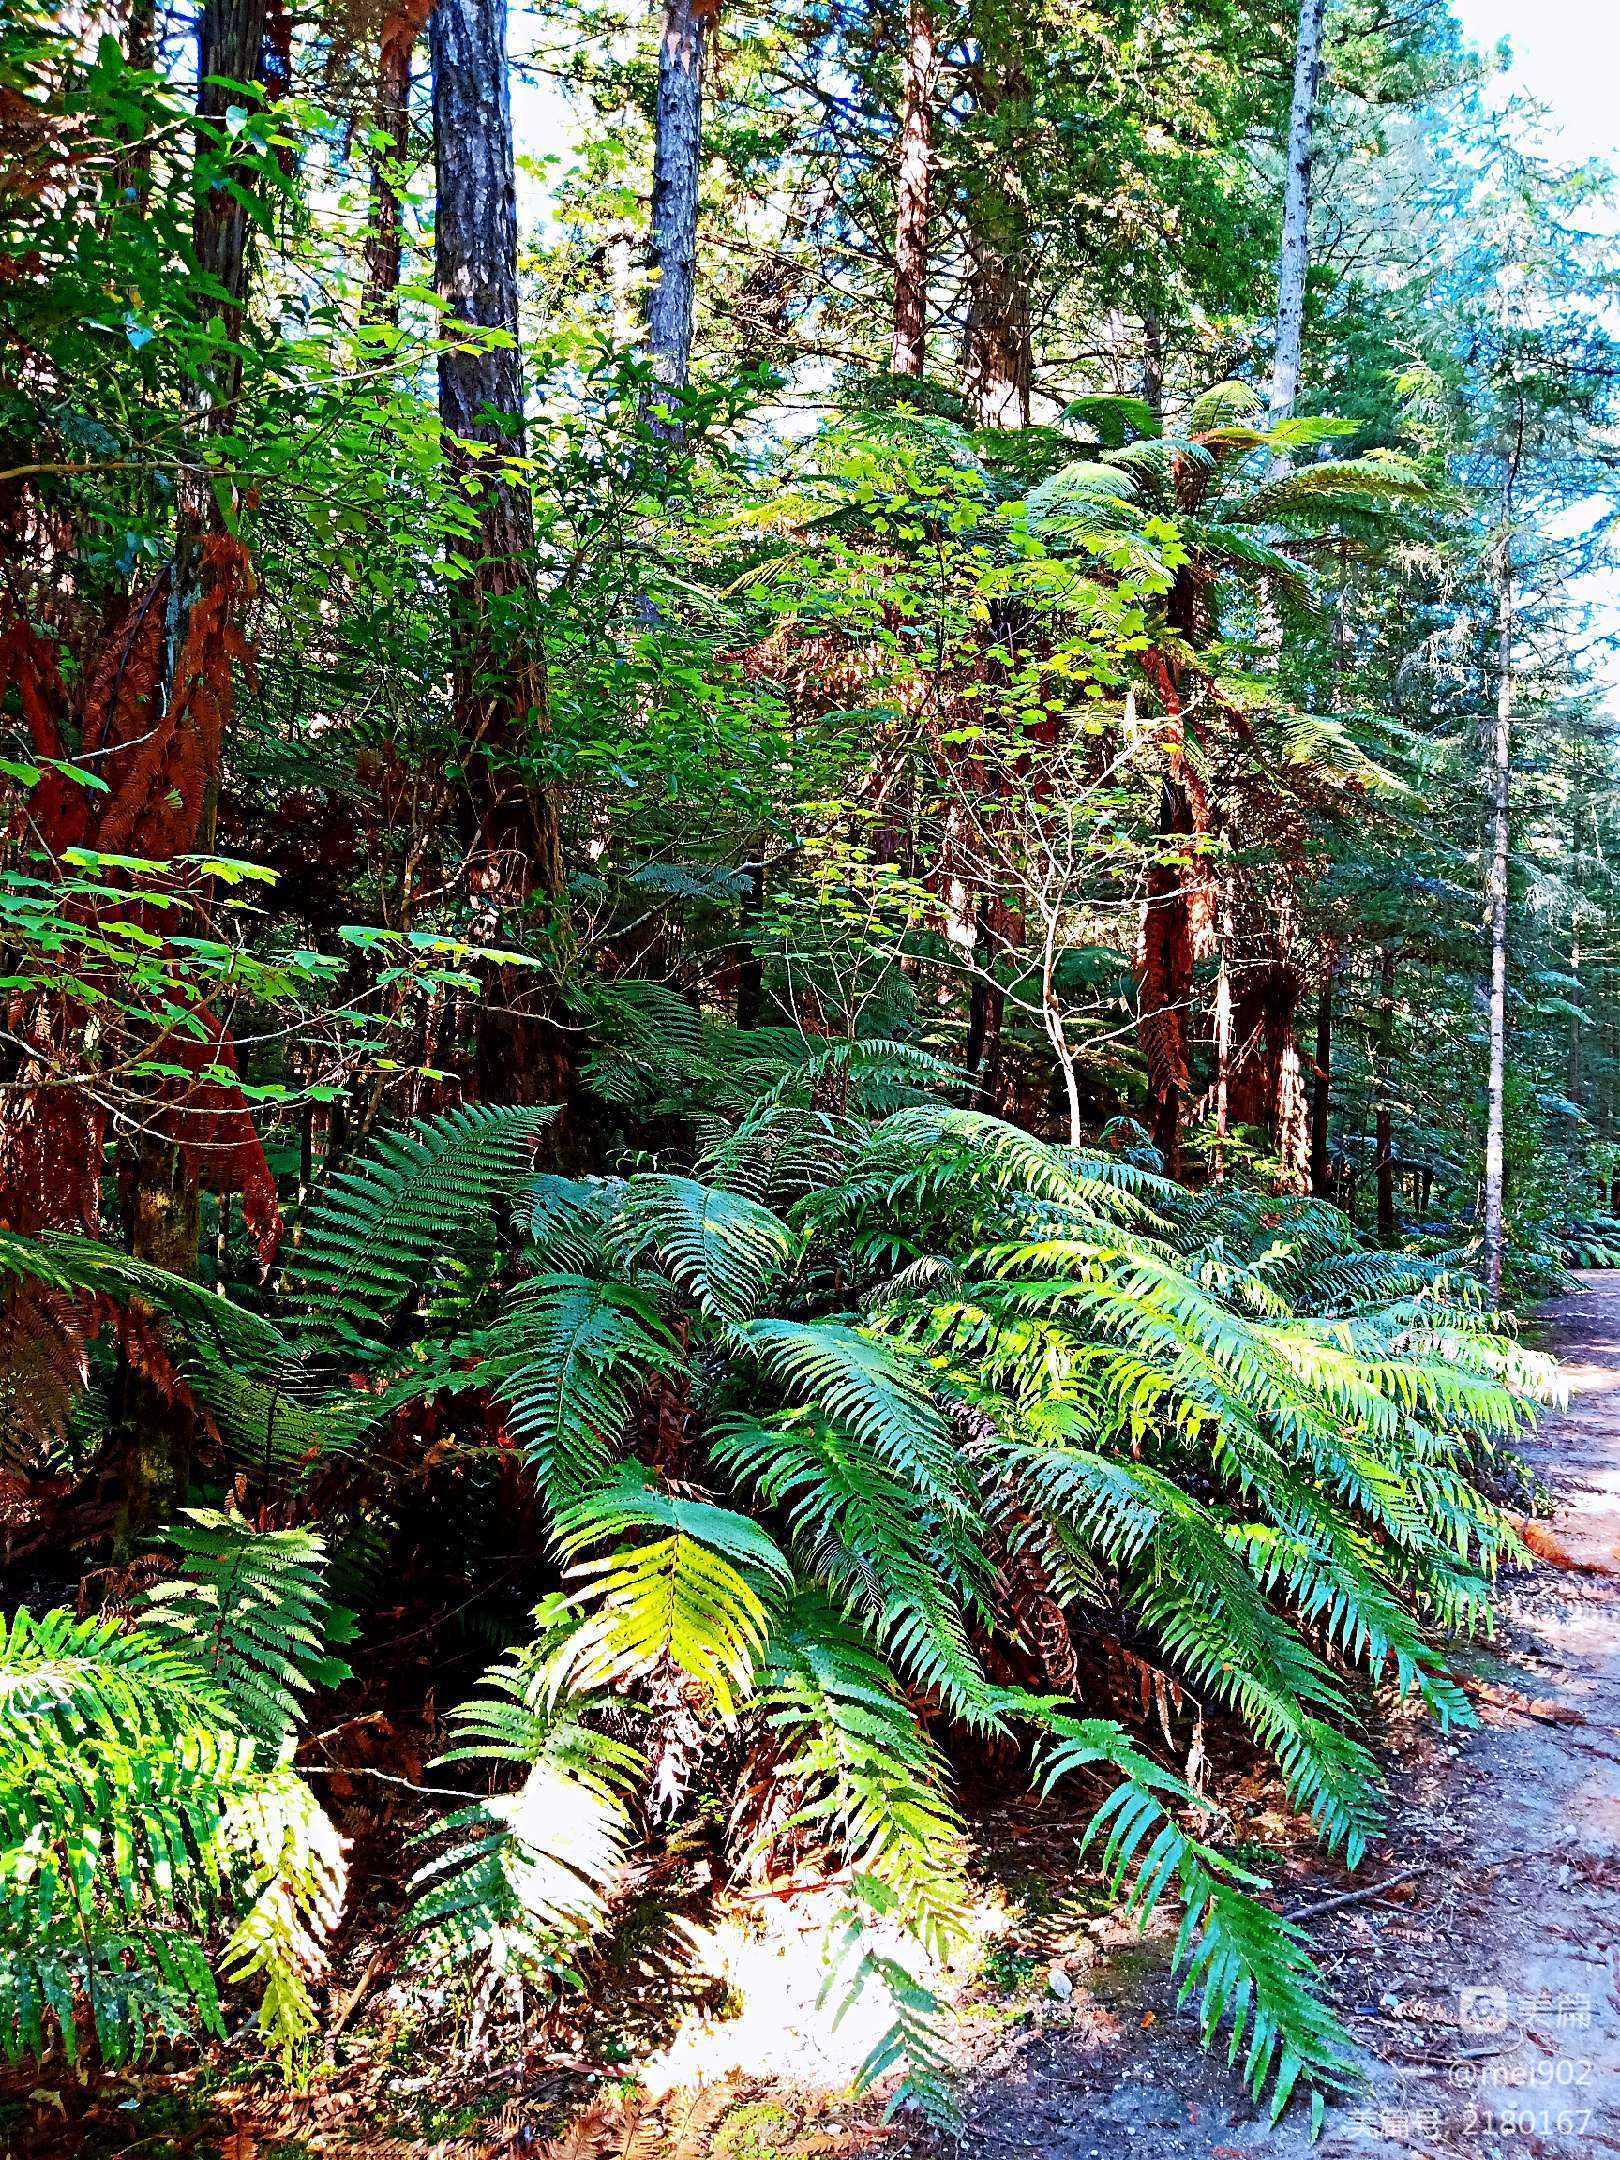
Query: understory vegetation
x=793, y=984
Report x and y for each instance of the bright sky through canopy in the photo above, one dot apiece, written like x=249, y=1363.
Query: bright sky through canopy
x=1566, y=55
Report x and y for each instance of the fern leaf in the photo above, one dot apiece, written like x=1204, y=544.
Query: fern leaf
x=249, y=1608
x=720, y=1247
x=1253, y=1967
x=380, y=1231
x=697, y=1599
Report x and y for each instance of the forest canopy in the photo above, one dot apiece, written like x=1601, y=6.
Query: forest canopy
x=806, y=931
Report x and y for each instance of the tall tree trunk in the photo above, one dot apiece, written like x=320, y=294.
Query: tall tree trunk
x=1573, y=1076
x=1290, y=1111
x=1178, y=926
x=999, y=355
x=913, y=194
x=1384, y=1115
x=1223, y=1039
x=998, y=349
x=510, y=819
x=1294, y=259
x=230, y=50
x=1496, y=897
x=1321, y=1174
x=677, y=156
x=391, y=125
x=164, y=1210
x=1153, y=360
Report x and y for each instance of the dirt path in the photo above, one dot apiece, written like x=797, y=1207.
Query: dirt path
x=1488, y=2005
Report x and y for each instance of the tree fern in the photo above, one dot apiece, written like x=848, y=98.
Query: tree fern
x=964, y=1353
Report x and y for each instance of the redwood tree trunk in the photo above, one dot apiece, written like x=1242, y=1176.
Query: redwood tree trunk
x=914, y=192
x=1294, y=260
x=166, y=1211
x=998, y=360
x=1384, y=1116
x=1321, y=1175
x=510, y=826
x=998, y=350
x=1290, y=1125
x=677, y=155
x=391, y=123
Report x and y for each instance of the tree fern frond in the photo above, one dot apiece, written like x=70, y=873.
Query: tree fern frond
x=134, y=1815
x=1252, y=1966
x=249, y=1608
x=868, y=1779
x=697, y=1599
x=380, y=1230
x=65, y=1680
x=720, y=1247
x=878, y=1545
x=866, y=1384
x=565, y=1218
x=291, y=1857
x=521, y=1882
x=565, y=1358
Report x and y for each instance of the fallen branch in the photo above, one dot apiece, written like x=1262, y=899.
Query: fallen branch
x=1351, y=1897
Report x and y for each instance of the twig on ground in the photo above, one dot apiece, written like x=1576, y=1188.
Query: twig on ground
x=1352, y=1897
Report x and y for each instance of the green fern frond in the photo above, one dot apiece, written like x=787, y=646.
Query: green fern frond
x=1253, y=1968
x=565, y=1359
x=720, y=1247
x=522, y=1881
x=871, y=1387
x=67, y=1680
x=249, y=1608
x=914, y=2042
x=380, y=1231
x=866, y=1777
x=876, y=1543
x=134, y=1816
x=697, y=1599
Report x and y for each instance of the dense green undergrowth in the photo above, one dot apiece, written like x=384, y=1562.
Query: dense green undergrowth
x=851, y=1438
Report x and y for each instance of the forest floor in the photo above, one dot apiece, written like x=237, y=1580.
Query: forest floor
x=1484, y=1991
